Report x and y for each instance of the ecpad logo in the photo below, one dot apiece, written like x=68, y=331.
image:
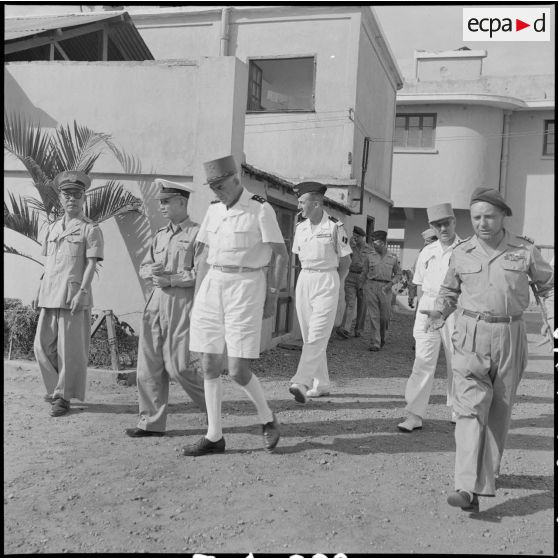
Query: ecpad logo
x=506, y=24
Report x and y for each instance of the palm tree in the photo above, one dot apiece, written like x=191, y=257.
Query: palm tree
x=45, y=153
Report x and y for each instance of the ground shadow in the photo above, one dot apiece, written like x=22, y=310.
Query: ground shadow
x=525, y=505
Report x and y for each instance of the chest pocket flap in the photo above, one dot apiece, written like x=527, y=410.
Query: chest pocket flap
x=470, y=267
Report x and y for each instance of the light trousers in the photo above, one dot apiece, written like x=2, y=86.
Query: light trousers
x=317, y=295
x=427, y=350
x=164, y=355
x=61, y=349
x=488, y=364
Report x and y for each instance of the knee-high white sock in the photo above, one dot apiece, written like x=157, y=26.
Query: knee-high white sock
x=255, y=392
x=213, y=397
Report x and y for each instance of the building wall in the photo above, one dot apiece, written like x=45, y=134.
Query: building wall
x=170, y=117
x=466, y=156
x=530, y=179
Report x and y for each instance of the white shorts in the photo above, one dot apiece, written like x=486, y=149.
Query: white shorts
x=228, y=310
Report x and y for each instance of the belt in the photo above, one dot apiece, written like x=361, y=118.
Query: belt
x=235, y=268
x=318, y=270
x=381, y=280
x=492, y=319
x=352, y=271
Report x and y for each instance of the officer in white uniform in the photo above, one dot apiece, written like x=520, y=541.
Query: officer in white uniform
x=323, y=248
x=163, y=352
x=241, y=243
x=73, y=245
x=430, y=270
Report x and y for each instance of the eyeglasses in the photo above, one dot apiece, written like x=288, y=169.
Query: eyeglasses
x=76, y=194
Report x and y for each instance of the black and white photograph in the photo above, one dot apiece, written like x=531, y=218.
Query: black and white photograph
x=279, y=279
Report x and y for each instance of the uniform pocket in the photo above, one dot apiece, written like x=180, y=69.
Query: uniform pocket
x=74, y=245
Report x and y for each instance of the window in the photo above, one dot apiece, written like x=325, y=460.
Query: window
x=395, y=247
x=548, y=140
x=281, y=84
x=415, y=130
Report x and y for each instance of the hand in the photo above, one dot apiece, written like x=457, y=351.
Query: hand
x=270, y=304
x=77, y=302
x=157, y=268
x=435, y=320
x=161, y=281
x=35, y=303
x=546, y=332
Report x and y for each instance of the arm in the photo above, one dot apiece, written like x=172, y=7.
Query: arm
x=275, y=276
x=81, y=297
x=542, y=276
x=201, y=267
x=343, y=269
x=364, y=274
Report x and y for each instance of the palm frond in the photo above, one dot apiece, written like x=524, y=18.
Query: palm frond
x=31, y=144
x=106, y=201
x=77, y=150
x=21, y=218
x=130, y=163
x=12, y=250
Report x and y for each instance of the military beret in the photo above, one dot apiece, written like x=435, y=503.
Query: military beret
x=72, y=179
x=428, y=234
x=359, y=231
x=379, y=235
x=218, y=169
x=492, y=196
x=306, y=187
x=168, y=189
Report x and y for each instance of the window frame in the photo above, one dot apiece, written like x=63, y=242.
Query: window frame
x=546, y=135
x=408, y=116
x=256, y=59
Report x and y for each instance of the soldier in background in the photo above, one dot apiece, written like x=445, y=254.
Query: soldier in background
x=379, y=272
x=355, y=309
x=73, y=245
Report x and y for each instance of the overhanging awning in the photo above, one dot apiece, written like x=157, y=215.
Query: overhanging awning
x=84, y=37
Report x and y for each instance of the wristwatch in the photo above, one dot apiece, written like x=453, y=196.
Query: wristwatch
x=84, y=291
x=273, y=290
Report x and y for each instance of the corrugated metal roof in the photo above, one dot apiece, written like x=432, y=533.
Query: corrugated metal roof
x=18, y=27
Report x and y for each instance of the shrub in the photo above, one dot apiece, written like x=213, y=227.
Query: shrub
x=20, y=323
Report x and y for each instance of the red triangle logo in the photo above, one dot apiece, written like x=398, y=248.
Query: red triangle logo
x=519, y=25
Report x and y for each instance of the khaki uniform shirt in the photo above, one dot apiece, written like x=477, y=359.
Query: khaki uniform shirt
x=240, y=235
x=498, y=283
x=357, y=258
x=66, y=250
x=322, y=247
x=173, y=246
x=380, y=267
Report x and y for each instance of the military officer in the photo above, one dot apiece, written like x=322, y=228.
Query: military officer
x=163, y=352
x=428, y=236
x=378, y=274
x=323, y=248
x=489, y=273
x=242, y=264
x=431, y=268
x=354, y=297
x=73, y=245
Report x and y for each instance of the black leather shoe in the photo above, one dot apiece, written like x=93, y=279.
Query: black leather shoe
x=59, y=407
x=49, y=398
x=374, y=348
x=140, y=433
x=344, y=334
x=271, y=435
x=462, y=499
x=204, y=446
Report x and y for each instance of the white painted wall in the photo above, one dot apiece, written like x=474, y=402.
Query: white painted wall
x=466, y=156
x=172, y=117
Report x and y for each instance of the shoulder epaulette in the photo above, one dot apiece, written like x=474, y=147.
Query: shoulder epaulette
x=334, y=219
x=530, y=240
x=463, y=241
x=258, y=198
x=215, y=201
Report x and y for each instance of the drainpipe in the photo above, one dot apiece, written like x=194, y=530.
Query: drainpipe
x=224, y=38
x=502, y=186
x=365, y=150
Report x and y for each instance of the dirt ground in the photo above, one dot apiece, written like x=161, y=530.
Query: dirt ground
x=342, y=480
